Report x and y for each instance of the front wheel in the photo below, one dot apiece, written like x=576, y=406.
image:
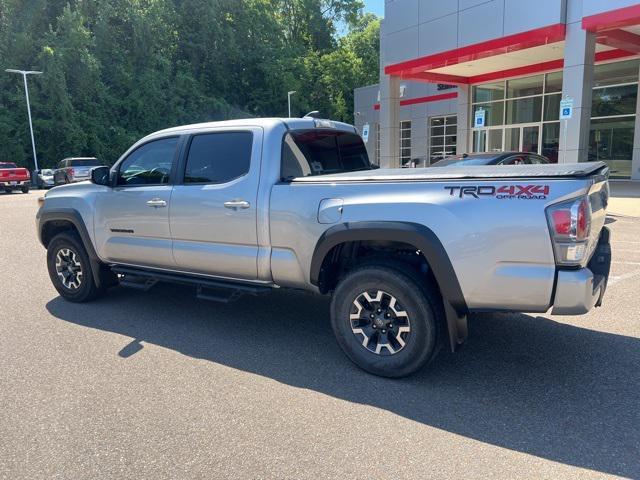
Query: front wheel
x=70, y=269
x=385, y=320
x=25, y=189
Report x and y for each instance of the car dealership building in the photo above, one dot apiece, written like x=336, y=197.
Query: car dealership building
x=461, y=76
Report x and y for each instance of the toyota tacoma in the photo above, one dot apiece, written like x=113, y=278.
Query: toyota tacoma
x=247, y=206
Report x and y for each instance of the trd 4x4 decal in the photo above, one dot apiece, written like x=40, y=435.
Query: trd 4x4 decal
x=528, y=192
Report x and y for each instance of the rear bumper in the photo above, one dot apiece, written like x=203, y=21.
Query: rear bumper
x=15, y=183
x=578, y=291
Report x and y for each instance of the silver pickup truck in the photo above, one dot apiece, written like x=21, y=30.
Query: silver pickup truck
x=243, y=207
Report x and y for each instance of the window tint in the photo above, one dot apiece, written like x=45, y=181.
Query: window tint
x=536, y=160
x=8, y=165
x=218, y=157
x=62, y=164
x=320, y=152
x=85, y=162
x=517, y=160
x=149, y=164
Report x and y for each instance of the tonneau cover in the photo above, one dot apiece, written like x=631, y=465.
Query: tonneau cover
x=561, y=170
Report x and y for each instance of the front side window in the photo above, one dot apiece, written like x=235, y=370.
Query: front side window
x=321, y=152
x=218, y=157
x=149, y=164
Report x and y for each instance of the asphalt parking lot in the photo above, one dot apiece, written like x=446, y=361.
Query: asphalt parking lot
x=161, y=385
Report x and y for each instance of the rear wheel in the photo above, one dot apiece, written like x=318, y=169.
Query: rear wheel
x=70, y=269
x=25, y=189
x=385, y=320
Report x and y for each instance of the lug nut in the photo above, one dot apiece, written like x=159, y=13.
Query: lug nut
x=391, y=325
x=374, y=326
x=372, y=315
x=384, y=331
x=387, y=315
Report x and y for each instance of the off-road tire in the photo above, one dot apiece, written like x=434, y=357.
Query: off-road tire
x=415, y=296
x=87, y=289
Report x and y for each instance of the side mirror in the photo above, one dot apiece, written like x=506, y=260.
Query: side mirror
x=101, y=176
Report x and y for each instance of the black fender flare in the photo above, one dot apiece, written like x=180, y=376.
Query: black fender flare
x=424, y=240
x=72, y=216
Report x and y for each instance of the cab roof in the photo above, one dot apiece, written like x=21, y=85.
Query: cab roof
x=289, y=123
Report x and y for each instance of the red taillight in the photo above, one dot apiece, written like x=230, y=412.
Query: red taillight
x=570, y=225
x=582, y=225
x=561, y=221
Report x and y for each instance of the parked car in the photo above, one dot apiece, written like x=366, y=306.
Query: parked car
x=76, y=169
x=44, y=178
x=13, y=177
x=494, y=158
x=246, y=206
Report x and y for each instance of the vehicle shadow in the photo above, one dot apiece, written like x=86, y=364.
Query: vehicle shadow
x=522, y=382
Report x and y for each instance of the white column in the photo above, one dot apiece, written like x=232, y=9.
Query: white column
x=635, y=159
x=389, y=121
x=464, y=132
x=577, y=83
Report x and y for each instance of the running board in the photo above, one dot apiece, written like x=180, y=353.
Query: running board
x=215, y=290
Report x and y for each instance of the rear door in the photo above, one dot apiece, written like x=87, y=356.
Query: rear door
x=132, y=219
x=214, y=206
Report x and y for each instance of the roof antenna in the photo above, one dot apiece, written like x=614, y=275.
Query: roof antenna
x=312, y=114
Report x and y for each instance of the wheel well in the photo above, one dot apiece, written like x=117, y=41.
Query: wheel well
x=347, y=255
x=54, y=227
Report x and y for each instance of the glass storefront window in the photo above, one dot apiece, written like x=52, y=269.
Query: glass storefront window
x=405, y=142
x=523, y=87
x=551, y=141
x=442, y=137
x=616, y=73
x=493, y=115
x=614, y=101
x=552, y=107
x=488, y=92
x=495, y=140
x=611, y=140
x=524, y=110
x=554, y=82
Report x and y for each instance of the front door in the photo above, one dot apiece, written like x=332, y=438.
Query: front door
x=214, y=204
x=132, y=219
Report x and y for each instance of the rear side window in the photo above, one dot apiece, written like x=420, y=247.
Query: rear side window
x=320, y=152
x=85, y=162
x=218, y=157
x=149, y=164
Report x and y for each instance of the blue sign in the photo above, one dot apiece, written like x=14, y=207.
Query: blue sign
x=566, y=108
x=478, y=118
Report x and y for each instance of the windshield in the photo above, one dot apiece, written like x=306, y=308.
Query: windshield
x=320, y=152
x=8, y=165
x=85, y=162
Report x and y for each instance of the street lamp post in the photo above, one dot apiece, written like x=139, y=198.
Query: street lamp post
x=289, y=100
x=24, y=74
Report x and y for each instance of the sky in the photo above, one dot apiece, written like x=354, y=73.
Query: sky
x=374, y=6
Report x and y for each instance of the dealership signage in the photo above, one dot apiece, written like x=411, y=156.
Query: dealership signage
x=478, y=118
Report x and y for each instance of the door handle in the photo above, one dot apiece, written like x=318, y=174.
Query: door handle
x=236, y=204
x=157, y=203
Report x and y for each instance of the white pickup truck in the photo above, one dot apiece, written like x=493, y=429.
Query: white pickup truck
x=247, y=206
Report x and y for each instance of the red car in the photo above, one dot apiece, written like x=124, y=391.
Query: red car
x=13, y=177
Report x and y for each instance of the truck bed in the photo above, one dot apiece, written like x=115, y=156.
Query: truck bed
x=561, y=170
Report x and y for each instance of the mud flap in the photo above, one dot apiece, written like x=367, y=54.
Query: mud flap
x=457, y=326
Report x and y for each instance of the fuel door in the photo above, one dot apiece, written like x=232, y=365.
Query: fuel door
x=330, y=210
